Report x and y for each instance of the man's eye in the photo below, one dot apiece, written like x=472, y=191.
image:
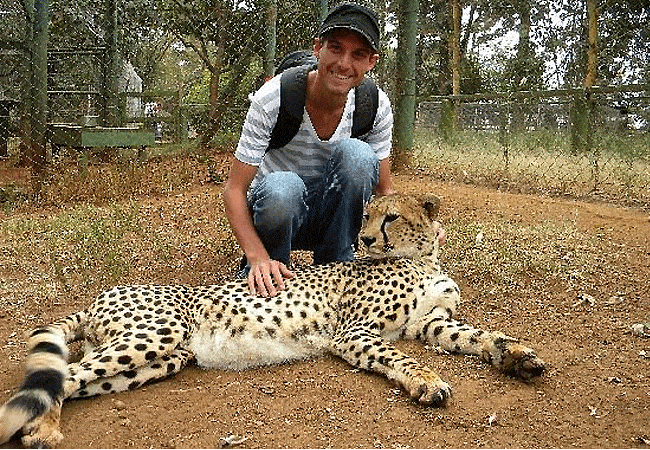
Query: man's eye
x=334, y=48
x=360, y=55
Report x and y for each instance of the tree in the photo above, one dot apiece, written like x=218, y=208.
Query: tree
x=619, y=48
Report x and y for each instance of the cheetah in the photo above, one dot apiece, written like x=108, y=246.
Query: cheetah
x=138, y=334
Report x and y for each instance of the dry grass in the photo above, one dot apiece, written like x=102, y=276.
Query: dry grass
x=497, y=252
x=541, y=162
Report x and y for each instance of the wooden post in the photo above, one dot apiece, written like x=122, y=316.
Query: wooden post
x=109, y=114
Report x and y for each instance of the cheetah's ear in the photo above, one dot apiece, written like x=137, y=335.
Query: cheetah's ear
x=431, y=204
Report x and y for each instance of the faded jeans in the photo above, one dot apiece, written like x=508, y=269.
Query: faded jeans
x=322, y=214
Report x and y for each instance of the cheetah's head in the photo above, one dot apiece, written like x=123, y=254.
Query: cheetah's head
x=401, y=225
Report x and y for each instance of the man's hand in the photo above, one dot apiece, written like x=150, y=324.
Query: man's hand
x=266, y=278
x=440, y=232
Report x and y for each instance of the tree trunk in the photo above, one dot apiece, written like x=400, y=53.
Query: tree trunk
x=215, y=67
x=214, y=115
x=271, y=33
x=523, y=47
x=455, y=47
x=26, y=98
x=455, y=62
x=38, y=128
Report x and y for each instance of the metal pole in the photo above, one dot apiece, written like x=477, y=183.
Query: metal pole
x=109, y=115
x=405, y=82
x=271, y=37
x=39, y=87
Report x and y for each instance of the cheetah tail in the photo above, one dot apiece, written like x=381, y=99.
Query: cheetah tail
x=46, y=372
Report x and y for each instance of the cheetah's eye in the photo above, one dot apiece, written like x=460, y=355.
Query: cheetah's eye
x=391, y=218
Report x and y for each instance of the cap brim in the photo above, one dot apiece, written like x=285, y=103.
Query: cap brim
x=352, y=27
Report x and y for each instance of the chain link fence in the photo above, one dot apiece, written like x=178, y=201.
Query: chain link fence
x=580, y=142
x=128, y=81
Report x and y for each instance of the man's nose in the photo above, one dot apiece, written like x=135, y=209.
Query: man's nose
x=345, y=60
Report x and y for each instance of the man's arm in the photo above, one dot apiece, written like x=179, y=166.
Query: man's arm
x=266, y=276
x=385, y=182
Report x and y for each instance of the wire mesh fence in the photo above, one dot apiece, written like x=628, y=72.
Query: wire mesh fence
x=579, y=141
x=140, y=73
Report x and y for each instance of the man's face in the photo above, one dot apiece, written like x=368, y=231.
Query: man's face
x=344, y=57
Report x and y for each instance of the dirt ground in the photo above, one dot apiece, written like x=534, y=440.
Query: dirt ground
x=596, y=392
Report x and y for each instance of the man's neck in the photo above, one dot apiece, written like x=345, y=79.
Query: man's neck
x=322, y=100
x=324, y=108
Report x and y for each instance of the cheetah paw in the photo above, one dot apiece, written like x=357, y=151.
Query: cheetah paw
x=429, y=390
x=521, y=361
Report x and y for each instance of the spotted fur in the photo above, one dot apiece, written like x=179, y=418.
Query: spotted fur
x=137, y=334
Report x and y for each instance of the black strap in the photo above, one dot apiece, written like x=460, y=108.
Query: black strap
x=366, y=102
x=293, y=91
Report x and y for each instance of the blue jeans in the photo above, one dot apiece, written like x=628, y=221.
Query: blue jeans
x=322, y=214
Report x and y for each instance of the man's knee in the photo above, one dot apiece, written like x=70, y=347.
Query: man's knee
x=357, y=156
x=357, y=163
x=279, y=197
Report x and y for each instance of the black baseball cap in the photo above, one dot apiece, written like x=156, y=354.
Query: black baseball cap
x=354, y=17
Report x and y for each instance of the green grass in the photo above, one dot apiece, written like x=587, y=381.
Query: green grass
x=80, y=246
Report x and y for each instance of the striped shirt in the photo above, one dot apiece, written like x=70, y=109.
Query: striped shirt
x=306, y=154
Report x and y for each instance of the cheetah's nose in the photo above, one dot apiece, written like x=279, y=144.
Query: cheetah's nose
x=368, y=240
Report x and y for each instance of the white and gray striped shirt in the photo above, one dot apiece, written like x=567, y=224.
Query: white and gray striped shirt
x=306, y=154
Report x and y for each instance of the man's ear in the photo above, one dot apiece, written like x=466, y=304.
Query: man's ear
x=374, y=59
x=318, y=45
x=431, y=205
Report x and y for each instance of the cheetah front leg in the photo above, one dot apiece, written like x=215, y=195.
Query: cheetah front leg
x=503, y=352
x=367, y=350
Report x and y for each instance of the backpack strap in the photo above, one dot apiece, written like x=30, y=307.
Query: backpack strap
x=366, y=102
x=293, y=92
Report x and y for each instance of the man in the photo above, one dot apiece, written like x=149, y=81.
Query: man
x=310, y=194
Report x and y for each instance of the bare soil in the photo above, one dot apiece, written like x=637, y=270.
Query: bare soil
x=596, y=392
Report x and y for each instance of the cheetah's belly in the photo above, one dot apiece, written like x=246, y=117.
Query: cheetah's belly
x=218, y=349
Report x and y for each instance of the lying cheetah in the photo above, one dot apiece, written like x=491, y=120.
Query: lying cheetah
x=136, y=334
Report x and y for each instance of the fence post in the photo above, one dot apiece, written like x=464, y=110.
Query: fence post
x=505, y=132
x=580, y=123
x=271, y=37
x=581, y=120
x=38, y=73
x=110, y=108
x=446, y=124
x=405, y=82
